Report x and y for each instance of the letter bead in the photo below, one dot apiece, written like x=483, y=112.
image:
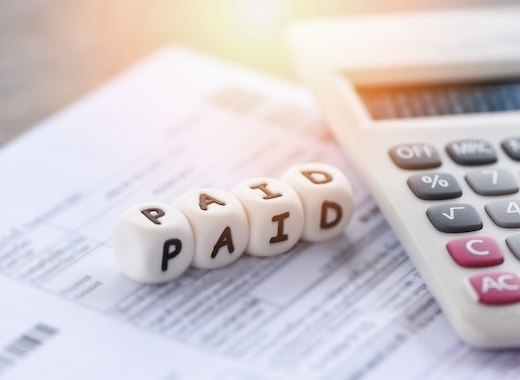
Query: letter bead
x=275, y=215
x=326, y=196
x=153, y=243
x=219, y=224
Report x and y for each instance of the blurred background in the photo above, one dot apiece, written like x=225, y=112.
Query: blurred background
x=54, y=51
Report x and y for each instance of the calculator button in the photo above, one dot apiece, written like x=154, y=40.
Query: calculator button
x=434, y=186
x=415, y=156
x=512, y=148
x=492, y=182
x=496, y=288
x=513, y=242
x=475, y=251
x=454, y=217
x=471, y=152
x=504, y=213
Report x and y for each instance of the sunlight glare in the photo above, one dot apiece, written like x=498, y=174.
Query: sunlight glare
x=258, y=19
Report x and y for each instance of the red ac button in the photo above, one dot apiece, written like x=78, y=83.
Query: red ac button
x=475, y=251
x=496, y=288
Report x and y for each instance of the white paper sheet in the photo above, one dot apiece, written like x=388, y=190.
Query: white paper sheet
x=350, y=308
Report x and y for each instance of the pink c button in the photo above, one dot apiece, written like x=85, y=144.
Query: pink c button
x=475, y=251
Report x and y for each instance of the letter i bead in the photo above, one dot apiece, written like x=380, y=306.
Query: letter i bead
x=275, y=215
x=153, y=243
x=326, y=196
x=219, y=224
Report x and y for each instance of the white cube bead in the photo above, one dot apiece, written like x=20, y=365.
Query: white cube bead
x=219, y=224
x=327, y=199
x=153, y=243
x=275, y=215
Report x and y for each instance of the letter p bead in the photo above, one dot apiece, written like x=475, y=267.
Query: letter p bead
x=153, y=243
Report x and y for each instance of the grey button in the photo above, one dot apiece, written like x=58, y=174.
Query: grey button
x=454, y=217
x=513, y=242
x=504, y=213
x=434, y=186
x=415, y=156
x=512, y=147
x=471, y=152
x=492, y=182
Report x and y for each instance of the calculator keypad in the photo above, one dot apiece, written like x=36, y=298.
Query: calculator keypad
x=491, y=287
x=505, y=213
x=513, y=243
x=496, y=288
x=434, y=186
x=454, y=217
x=492, y=182
x=471, y=152
x=475, y=251
x=512, y=148
x=415, y=156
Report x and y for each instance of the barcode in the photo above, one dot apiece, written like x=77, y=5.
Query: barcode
x=24, y=345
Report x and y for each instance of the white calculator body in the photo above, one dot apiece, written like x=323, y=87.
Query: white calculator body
x=427, y=106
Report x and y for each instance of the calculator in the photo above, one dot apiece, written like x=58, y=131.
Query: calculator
x=427, y=107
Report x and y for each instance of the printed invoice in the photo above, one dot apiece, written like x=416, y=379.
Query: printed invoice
x=350, y=308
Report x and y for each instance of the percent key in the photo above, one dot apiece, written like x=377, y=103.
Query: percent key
x=434, y=186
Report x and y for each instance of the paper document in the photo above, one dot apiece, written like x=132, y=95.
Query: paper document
x=350, y=308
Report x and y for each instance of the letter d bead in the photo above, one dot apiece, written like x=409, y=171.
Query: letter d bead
x=153, y=243
x=327, y=199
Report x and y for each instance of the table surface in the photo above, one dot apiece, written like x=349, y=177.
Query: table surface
x=54, y=52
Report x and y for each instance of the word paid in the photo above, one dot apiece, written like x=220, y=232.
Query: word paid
x=211, y=228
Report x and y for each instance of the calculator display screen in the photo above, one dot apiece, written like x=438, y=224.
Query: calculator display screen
x=408, y=101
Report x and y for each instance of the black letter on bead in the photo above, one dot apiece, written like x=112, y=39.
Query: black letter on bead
x=168, y=254
x=157, y=213
x=330, y=205
x=205, y=200
x=224, y=239
x=280, y=236
x=309, y=174
x=263, y=187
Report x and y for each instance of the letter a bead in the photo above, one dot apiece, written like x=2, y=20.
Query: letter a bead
x=153, y=243
x=219, y=224
x=275, y=215
x=326, y=195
